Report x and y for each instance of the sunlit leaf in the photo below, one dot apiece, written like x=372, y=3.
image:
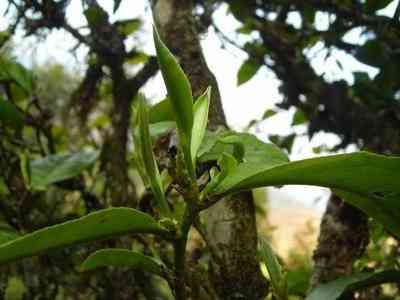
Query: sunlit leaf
x=99, y=225
x=15, y=289
x=200, y=110
x=138, y=58
x=128, y=27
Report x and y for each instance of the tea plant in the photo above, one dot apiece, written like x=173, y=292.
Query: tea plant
x=239, y=162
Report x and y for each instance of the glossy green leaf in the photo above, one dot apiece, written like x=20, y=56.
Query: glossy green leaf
x=278, y=279
x=200, y=109
x=10, y=115
x=255, y=151
x=149, y=162
x=366, y=175
x=247, y=70
x=227, y=164
x=122, y=258
x=345, y=285
x=103, y=224
x=161, y=112
x=54, y=168
x=180, y=96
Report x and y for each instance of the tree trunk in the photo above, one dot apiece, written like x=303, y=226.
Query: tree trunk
x=343, y=238
x=230, y=230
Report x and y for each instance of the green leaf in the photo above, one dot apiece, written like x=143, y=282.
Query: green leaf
x=345, y=285
x=268, y=113
x=3, y=188
x=299, y=280
x=54, y=168
x=180, y=96
x=230, y=148
x=227, y=164
x=161, y=112
x=146, y=151
x=117, y=3
x=26, y=170
x=255, y=151
x=15, y=289
x=103, y=224
x=371, y=6
x=138, y=58
x=247, y=70
x=278, y=280
x=95, y=15
x=13, y=71
x=122, y=258
x=367, y=175
x=10, y=115
x=299, y=118
x=127, y=27
x=200, y=110
x=374, y=53
x=160, y=128
x=7, y=233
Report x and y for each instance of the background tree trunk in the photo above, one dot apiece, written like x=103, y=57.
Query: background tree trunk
x=343, y=238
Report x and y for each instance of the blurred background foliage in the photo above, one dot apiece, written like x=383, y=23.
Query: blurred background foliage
x=49, y=108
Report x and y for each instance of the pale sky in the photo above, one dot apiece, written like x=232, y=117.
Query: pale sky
x=241, y=104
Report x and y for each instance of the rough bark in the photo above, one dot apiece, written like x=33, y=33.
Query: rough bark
x=230, y=230
x=343, y=239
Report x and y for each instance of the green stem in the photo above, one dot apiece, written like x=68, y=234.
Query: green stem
x=180, y=253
